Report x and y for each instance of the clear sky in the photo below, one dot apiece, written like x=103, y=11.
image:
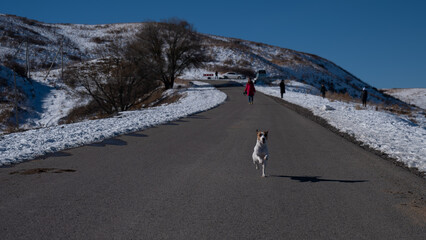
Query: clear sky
x=381, y=42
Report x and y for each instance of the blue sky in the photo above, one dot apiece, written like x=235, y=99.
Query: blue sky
x=381, y=42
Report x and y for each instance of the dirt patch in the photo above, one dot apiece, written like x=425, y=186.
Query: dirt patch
x=41, y=170
x=412, y=204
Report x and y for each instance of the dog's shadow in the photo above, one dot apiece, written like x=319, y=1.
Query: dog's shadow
x=315, y=179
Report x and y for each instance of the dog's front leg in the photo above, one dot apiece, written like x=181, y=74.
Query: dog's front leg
x=263, y=169
x=256, y=163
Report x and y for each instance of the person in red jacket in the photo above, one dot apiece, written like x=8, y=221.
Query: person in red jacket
x=250, y=90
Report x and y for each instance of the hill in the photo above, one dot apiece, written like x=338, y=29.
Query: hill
x=82, y=43
x=414, y=96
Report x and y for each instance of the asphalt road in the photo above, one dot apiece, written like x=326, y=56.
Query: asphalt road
x=194, y=179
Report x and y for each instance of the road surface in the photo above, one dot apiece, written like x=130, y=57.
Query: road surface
x=194, y=179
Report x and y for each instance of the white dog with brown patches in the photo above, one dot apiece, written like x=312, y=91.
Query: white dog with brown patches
x=260, y=153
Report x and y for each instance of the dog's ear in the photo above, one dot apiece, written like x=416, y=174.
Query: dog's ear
x=266, y=133
x=257, y=130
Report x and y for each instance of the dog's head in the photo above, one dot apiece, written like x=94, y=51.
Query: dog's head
x=262, y=136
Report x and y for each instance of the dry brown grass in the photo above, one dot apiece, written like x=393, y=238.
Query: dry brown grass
x=244, y=63
x=89, y=111
x=234, y=44
x=342, y=97
x=6, y=113
x=395, y=108
x=229, y=62
x=94, y=111
x=167, y=100
x=156, y=99
x=413, y=120
x=10, y=129
x=97, y=40
x=281, y=61
x=358, y=107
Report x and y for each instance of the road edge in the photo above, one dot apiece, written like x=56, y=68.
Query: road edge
x=322, y=122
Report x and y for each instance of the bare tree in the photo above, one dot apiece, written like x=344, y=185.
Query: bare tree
x=167, y=49
x=114, y=82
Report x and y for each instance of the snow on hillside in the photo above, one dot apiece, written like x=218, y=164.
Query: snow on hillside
x=415, y=96
x=82, y=42
x=58, y=100
x=18, y=147
x=43, y=102
x=392, y=134
x=281, y=63
x=27, y=100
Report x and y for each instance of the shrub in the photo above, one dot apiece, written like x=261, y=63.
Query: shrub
x=28, y=21
x=343, y=90
x=16, y=67
x=244, y=63
x=5, y=114
x=35, y=41
x=91, y=110
x=115, y=84
x=74, y=58
x=70, y=78
x=281, y=61
x=229, y=62
x=234, y=44
x=97, y=40
x=395, y=108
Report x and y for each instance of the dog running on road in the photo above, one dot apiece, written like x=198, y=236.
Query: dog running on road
x=260, y=153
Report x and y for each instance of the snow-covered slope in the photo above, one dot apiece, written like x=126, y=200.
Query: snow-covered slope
x=82, y=42
x=42, y=103
x=415, y=96
x=282, y=63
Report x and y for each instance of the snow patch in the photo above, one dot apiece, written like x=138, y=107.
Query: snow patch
x=18, y=147
x=327, y=108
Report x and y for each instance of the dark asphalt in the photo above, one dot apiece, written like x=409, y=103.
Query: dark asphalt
x=194, y=179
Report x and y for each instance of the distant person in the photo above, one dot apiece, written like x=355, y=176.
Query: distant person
x=250, y=90
x=364, y=96
x=215, y=75
x=323, y=90
x=282, y=88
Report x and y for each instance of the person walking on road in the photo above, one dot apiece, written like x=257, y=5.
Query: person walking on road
x=323, y=90
x=364, y=97
x=282, y=88
x=250, y=90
